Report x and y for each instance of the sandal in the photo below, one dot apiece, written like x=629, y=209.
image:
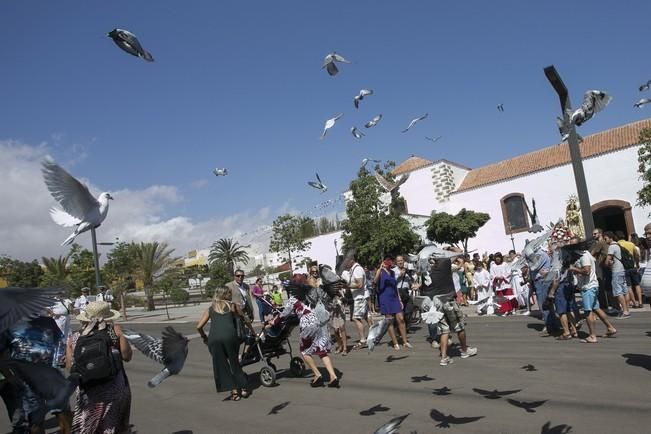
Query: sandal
x=588, y=341
x=317, y=382
x=245, y=393
x=235, y=396
x=564, y=338
x=611, y=334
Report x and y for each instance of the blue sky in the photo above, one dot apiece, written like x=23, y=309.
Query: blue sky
x=239, y=84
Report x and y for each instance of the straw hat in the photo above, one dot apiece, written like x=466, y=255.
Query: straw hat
x=98, y=310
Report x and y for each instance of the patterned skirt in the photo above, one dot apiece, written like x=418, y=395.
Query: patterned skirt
x=103, y=408
x=315, y=339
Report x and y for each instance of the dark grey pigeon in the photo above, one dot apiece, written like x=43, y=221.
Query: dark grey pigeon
x=645, y=86
x=435, y=139
x=392, y=426
x=413, y=122
x=564, y=129
x=171, y=351
x=329, y=63
x=535, y=223
x=357, y=133
x=128, y=42
x=373, y=122
x=594, y=101
x=360, y=96
x=500, y=108
x=20, y=303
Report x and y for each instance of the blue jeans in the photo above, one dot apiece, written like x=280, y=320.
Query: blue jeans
x=261, y=308
x=542, y=288
x=433, y=331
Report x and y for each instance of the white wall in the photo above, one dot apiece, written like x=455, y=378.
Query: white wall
x=611, y=176
x=419, y=193
x=322, y=248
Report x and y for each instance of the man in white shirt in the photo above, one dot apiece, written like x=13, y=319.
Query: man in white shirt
x=82, y=300
x=614, y=261
x=104, y=295
x=355, y=278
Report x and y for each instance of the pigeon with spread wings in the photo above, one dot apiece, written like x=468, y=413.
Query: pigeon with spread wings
x=642, y=102
x=170, y=351
x=388, y=185
x=445, y=420
x=435, y=139
x=373, y=122
x=360, y=96
x=318, y=184
x=329, y=124
x=392, y=426
x=20, y=303
x=220, y=172
x=645, y=86
x=357, y=133
x=329, y=63
x=128, y=42
x=594, y=101
x=413, y=122
x=80, y=208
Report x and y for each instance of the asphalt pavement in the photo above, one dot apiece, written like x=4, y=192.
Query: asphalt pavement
x=579, y=388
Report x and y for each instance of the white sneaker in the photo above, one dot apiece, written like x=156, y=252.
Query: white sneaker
x=436, y=345
x=470, y=351
x=446, y=361
x=527, y=313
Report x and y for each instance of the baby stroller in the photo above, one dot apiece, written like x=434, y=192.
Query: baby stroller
x=272, y=343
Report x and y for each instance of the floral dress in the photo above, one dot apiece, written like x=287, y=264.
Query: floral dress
x=314, y=338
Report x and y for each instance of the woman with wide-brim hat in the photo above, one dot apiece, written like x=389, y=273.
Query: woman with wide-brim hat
x=104, y=406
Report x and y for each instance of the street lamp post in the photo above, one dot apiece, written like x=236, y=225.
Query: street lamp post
x=575, y=151
x=95, y=256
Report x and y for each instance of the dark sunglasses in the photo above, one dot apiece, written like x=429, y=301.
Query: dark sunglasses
x=239, y=275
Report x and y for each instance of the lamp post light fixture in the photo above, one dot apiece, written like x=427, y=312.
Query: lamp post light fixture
x=575, y=151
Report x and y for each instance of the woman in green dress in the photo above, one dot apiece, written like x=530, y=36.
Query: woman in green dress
x=223, y=344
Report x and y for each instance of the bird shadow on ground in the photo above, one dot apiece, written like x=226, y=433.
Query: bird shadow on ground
x=641, y=360
x=558, y=429
x=185, y=431
x=648, y=334
x=536, y=326
x=392, y=358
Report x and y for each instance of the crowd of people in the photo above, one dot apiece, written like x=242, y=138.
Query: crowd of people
x=603, y=274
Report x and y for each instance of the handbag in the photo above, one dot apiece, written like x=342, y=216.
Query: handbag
x=239, y=327
x=321, y=313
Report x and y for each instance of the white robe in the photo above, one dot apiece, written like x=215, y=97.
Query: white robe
x=502, y=270
x=482, y=284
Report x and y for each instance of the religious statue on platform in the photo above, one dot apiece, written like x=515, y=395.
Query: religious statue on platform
x=573, y=218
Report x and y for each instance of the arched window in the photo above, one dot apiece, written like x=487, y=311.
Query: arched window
x=514, y=213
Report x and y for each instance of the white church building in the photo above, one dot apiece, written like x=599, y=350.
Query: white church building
x=501, y=190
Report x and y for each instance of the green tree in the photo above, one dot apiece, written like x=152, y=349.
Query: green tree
x=287, y=236
x=454, y=229
x=229, y=252
x=120, y=270
x=644, y=167
x=167, y=284
x=152, y=259
x=374, y=228
x=56, y=271
x=82, y=270
x=219, y=276
x=19, y=273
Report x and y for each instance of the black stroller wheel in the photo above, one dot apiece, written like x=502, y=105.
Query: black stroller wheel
x=297, y=367
x=267, y=376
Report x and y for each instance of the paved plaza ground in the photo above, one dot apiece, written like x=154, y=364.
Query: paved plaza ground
x=598, y=388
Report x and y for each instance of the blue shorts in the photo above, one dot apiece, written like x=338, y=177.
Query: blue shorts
x=619, y=284
x=590, y=299
x=564, y=301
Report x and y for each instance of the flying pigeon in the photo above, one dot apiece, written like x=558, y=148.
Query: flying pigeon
x=445, y=420
x=527, y=406
x=220, y=172
x=388, y=185
x=495, y=394
x=80, y=208
x=413, y=122
x=392, y=426
x=535, y=223
x=435, y=139
x=48, y=384
x=418, y=379
x=276, y=408
x=642, y=102
x=529, y=368
x=357, y=133
x=376, y=332
x=443, y=391
x=128, y=42
x=645, y=86
x=170, y=351
x=558, y=429
x=564, y=129
x=371, y=411
x=360, y=96
x=500, y=108
x=329, y=124
x=318, y=184
x=373, y=122
x=594, y=101
x=21, y=303
x=392, y=358
x=329, y=63
x=366, y=160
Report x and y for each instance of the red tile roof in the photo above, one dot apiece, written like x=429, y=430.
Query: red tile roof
x=554, y=156
x=410, y=164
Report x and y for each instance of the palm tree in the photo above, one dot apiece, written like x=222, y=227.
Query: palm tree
x=228, y=252
x=56, y=270
x=152, y=260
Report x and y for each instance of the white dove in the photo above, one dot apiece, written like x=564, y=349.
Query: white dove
x=220, y=172
x=594, y=101
x=413, y=122
x=642, y=102
x=80, y=208
x=373, y=122
x=329, y=124
x=357, y=133
x=360, y=96
x=329, y=63
x=388, y=185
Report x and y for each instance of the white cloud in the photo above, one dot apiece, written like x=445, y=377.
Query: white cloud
x=26, y=231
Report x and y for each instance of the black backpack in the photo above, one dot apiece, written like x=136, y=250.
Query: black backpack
x=94, y=359
x=627, y=259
